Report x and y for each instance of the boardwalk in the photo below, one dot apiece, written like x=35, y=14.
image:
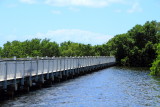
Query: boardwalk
x=25, y=72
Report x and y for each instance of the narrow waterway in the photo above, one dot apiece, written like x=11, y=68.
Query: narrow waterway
x=111, y=87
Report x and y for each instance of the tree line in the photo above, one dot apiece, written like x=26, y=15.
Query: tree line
x=139, y=47
x=45, y=47
x=155, y=69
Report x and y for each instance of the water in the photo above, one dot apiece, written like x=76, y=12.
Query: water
x=111, y=87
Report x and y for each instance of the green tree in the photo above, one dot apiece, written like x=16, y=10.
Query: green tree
x=49, y=48
x=6, y=50
x=70, y=49
x=137, y=46
x=1, y=51
x=155, y=69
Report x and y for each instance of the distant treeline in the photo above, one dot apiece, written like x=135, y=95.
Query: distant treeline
x=44, y=47
x=139, y=47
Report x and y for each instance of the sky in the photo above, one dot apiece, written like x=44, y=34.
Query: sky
x=83, y=21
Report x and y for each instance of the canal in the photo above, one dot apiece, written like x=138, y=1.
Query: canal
x=111, y=87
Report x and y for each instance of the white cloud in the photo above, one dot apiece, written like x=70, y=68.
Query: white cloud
x=74, y=9
x=59, y=36
x=90, y=3
x=28, y=1
x=87, y=3
x=72, y=4
x=56, y=12
x=75, y=35
x=135, y=8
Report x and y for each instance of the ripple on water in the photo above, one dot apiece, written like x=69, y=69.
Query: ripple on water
x=111, y=87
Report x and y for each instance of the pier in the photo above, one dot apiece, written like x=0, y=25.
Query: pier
x=23, y=73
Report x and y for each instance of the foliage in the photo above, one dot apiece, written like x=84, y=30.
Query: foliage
x=32, y=48
x=0, y=51
x=76, y=49
x=137, y=47
x=155, y=69
x=42, y=48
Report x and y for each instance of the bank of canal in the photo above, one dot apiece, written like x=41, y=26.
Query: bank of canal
x=111, y=87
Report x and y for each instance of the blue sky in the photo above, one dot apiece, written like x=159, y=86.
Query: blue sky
x=84, y=21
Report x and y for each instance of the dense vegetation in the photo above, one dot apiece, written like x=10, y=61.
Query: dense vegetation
x=34, y=47
x=155, y=69
x=42, y=48
x=138, y=47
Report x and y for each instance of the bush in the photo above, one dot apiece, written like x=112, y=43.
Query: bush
x=155, y=69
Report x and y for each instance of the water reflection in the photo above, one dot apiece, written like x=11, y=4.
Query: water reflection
x=112, y=87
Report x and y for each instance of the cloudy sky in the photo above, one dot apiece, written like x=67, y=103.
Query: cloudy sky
x=84, y=21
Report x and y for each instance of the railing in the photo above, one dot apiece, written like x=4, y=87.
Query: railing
x=20, y=68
